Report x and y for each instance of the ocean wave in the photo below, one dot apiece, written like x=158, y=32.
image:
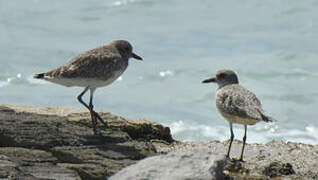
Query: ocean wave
x=20, y=79
x=166, y=73
x=157, y=76
x=123, y=2
x=12, y=80
x=4, y=83
x=309, y=135
x=260, y=133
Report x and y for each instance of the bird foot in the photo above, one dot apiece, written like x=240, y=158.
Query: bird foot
x=97, y=132
x=234, y=159
x=237, y=160
x=100, y=119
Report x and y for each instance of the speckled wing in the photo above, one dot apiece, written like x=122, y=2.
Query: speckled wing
x=97, y=63
x=237, y=101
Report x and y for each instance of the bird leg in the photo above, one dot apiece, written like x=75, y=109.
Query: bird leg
x=91, y=108
x=244, y=140
x=94, y=115
x=231, y=140
x=79, y=98
x=92, y=112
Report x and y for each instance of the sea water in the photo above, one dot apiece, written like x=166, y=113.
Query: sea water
x=272, y=45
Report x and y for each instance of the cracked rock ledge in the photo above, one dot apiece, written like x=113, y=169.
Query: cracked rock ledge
x=58, y=143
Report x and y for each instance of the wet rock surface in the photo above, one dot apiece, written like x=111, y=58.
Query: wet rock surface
x=58, y=143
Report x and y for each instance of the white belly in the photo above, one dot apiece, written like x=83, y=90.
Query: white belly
x=84, y=82
x=239, y=120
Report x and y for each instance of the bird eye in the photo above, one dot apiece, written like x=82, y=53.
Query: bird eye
x=127, y=49
x=222, y=75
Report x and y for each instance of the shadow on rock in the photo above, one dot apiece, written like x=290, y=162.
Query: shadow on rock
x=61, y=142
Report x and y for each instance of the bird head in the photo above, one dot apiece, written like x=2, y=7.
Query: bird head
x=125, y=49
x=223, y=77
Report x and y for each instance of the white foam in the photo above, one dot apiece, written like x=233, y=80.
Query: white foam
x=122, y=2
x=255, y=134
x=166, y=73
x=310, y=131
x=117, y=3
x=19, y=75
x=180, y=126
x=4, y=83
x=10, y=80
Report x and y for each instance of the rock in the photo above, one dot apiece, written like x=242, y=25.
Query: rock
x=50, y=127
x=263, y=161
x=278, y=169
x=21, y=163
x=274, y=159
x=190, y=163
x=58, y=143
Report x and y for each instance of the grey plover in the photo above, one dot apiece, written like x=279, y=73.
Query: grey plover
x=94, y=68
x=236, y=104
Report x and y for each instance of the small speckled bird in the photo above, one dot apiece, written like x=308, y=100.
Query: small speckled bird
x=92, y=69
x=236, y=104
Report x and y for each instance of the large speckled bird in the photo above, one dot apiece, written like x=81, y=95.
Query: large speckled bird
x=236, y=104
x=94, y=68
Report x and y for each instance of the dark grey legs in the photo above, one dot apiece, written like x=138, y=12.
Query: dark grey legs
x=244, y=140
x=79, y=98
x=90, y=107
x=231, y=140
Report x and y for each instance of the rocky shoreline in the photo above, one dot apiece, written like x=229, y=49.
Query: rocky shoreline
x=58, y=143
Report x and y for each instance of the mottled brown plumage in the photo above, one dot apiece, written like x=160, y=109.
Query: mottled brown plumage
x=94, y=68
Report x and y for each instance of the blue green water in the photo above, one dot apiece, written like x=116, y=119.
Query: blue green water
x=272, y=45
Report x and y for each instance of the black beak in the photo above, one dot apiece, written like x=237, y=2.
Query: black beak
x=209, y=80
x=136, y=56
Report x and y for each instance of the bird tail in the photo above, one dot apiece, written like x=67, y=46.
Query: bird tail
x=266, y=118
x=39, y=76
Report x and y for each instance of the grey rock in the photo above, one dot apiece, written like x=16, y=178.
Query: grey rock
x=277, y=159
x=58, y=143
x=191, y=163
x=22, y=163
x=274, y=159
